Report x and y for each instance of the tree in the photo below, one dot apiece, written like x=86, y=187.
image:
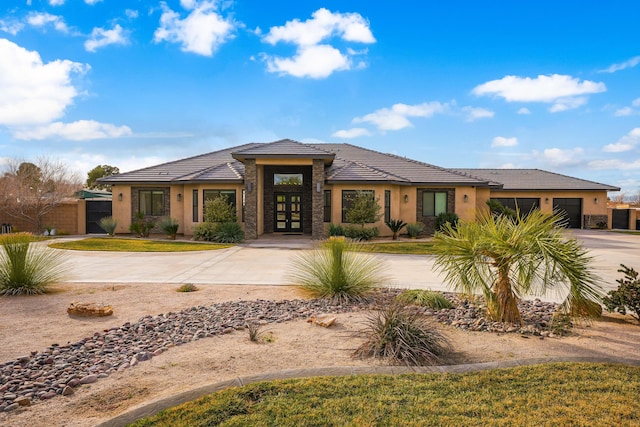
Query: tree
x=365, y=209
x=100, y=171
x=507, y=258
x=29, y=191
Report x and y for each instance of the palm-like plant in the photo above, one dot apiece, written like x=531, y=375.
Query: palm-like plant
x=337, y=270
x=506, y=258
x=396, y=225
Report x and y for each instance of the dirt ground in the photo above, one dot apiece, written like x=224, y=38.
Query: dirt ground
x=35, y=322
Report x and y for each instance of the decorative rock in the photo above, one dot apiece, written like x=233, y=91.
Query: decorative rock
x=48, y=395
x=11, y=407
x=88, y=379
x=90, y=309
x=324, y=320
x=23, y=401
x=67, y=391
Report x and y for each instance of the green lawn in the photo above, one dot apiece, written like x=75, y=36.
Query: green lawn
x=412, y=248
x=569, y=394
x=135, y=245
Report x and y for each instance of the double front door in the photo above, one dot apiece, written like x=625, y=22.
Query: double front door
x=288, y=212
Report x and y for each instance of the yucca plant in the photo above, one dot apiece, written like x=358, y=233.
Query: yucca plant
x=26, y=268
x=414, y=229
x=169, y=226
x=401, y=335
x=337, y=270
x=396, y=225
x=108, y=224
x=424, y=298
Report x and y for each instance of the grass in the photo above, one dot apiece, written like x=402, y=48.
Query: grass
x=633, y=232
x=424, y=298
x=135, y=245
x=410, y=248
x=566, y=394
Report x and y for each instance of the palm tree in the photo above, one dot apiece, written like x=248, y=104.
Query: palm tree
x=506, y=258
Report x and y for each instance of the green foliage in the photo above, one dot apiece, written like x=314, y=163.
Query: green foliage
x=219, y=210
x=400, y=335
x=361, y=233
x=396, y=225
x=498, y=209
x=27, y=268
x=108, y=224
x=205, y=231
x=228, y=232
x=140, y=226
x=505, y=259
x=446, y=218
x=336, y=230
x=336, y=270
x=414, y=229
x=169, y=225
x=424, y=298
x=133, y=245
x=98, y=172
x=188, y=287
x=627, y=296
x=365, y=209
x=255, y=331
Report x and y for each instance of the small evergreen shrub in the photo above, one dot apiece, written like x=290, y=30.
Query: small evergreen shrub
x=219, y=210
x=400, y=335
x=169, y=226
x=424, y=298
x=228, y=232
x=444, y=218
x=361, y=233
x=205, y=231
x=255, y=331
x=336, y=230
x=627, y=296
x=414, y=229
x=140, y=226
x=108, y=224
x=396, y=225
x=188, y=287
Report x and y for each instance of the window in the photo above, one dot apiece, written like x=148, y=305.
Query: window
x=151, y=202
x=387, y=205
x=287, y=179
x=348, y=196
x=434, y=203
x=212, y=194
x=195, y=206
x=327, y=205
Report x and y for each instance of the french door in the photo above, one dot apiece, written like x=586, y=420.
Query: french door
x=288, y=212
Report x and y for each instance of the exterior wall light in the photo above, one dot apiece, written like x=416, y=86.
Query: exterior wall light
x=249, y=186
x=465, y=198
x=318, y=187
x=120, y=197
x=179, y=197
x=546, y=200
x=595, y=200
x=406, y=198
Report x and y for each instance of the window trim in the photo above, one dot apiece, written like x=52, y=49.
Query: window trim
x=435, y=194
x=387, y=206
x=152, y=193
x=194, y=206
x=327, y=206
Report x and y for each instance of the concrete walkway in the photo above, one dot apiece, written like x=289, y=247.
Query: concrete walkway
x=267, y=262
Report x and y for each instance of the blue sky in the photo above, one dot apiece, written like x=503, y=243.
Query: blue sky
x=528, y=84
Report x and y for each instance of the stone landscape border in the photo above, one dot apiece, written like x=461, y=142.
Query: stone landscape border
x=157, y=406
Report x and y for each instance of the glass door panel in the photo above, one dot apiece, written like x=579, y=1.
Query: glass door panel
x=288, y=212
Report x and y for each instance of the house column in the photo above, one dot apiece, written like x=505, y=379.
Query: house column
x=251, y=199
x=317, y=200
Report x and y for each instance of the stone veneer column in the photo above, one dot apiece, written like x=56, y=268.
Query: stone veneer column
x=251, y=199
x=317, y=200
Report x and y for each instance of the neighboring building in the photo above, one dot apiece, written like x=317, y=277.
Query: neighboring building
x=290, y=187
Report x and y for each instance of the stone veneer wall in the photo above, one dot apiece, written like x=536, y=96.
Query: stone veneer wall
x=591, y=221
x=251, y=199
x=317, y=204
x=430, y=221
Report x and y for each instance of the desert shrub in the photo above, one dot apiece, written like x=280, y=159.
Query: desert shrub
x=140, y=226
x=188, y=287
x=400, y=335
x=169, y=226
x=336, y=230
x=337, y=270
x=627, y=296
x=27, y=268
x=255, y=331
x=602, y=225
x=205, y=231
x=414, y=229
x=424, y=298
x=228, y=232
x=108, y=224
x=396, y=225
x=219, y=210
x=444, y=218
x=361, y=233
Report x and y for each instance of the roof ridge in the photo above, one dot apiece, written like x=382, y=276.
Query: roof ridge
x=234, y=170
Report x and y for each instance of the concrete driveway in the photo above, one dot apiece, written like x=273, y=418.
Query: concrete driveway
x=265, y=262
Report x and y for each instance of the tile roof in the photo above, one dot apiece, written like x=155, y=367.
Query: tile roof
x=282, y=148
x=535, y=179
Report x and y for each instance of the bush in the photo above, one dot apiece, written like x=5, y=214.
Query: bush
x=414, y=229
x=141, y=227
x=424, y=298
x=627, y=296
x=338, y=271
x=228, y=232
x=361, y=233
x=400, y=335
x=446, y=217
x=169, y=226
x=108, y=224
x=336, y=230
x=188, y=287
x=219, y=210
x=26, y=268
x=396, y=225
x=205, y=231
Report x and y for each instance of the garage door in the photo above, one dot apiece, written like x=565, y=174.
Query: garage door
x=620, y=219
x=524, y=204
x=571, y=209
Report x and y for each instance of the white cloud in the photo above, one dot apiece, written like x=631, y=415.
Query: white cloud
x=41, y=19
x=473, y=113
x=626, y=143
x=315, y=62
x=636, y=102
x=92, y=2
x=32, y=92
x=81, y=130
x=56, y=2
x=501, y=141
x=351, y=133
x=131, y=14
x=524, y=110
x=315, y=57
x=625, y=111
x=202, y=32
x=396, y=117
x=614, y=164
x=12, y=27
x=558, y=157
x=562, y=90
x=630, y=63
x=101, y=38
